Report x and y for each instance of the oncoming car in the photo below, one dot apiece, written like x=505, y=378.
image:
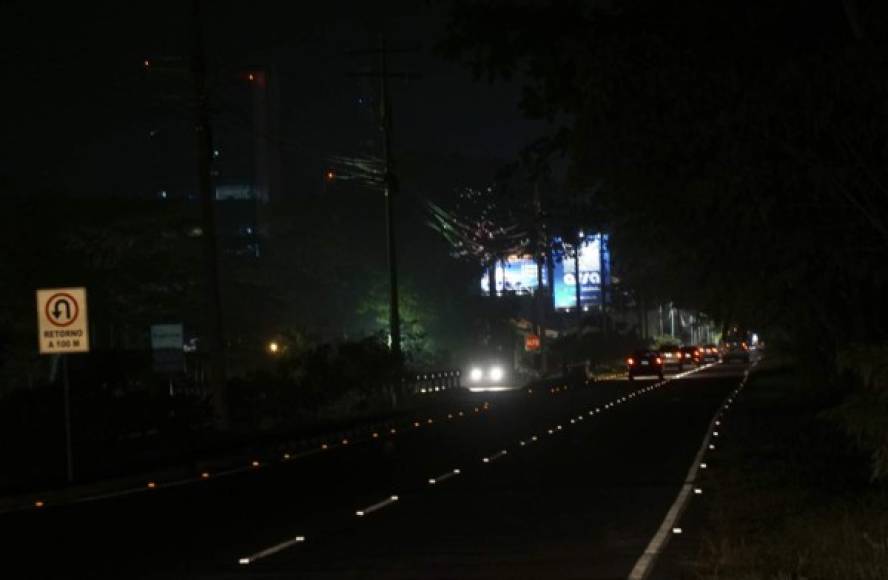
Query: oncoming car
x=489, y=376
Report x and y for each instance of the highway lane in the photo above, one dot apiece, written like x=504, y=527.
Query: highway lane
x=581, y=502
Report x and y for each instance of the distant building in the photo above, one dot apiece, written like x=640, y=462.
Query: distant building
x=266, y=135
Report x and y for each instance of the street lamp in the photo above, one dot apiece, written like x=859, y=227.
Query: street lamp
x=274, y=347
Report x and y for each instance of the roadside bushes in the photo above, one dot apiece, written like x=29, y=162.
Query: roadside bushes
x=114, y=431
x=311, y=382
x=597, y=349
x=863, y=414
x=790, y=497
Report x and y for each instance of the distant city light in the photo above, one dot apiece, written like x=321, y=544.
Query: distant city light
x=274, y=347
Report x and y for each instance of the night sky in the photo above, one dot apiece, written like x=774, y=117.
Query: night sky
x=83, y=116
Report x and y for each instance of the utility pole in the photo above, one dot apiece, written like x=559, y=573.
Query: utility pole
x=390, y=185
x=577, y=285
x=643, y=317
x=603, y=281
x=541, y=294
x=212, y=299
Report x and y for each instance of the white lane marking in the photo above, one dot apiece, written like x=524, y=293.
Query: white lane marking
x=495, y=456
x=432, y=481
x=272, y=550
x=648, y=558
x=444, y=476
x=377, y=506
x=645, y=563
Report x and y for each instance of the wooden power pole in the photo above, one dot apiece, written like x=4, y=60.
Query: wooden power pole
x=213, y=327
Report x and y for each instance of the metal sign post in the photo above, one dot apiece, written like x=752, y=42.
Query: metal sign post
x=62, y=328
x=69, y=454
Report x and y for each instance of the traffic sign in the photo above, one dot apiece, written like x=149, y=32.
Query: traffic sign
x=166, y=344
x=62, y=323
x=531, y=342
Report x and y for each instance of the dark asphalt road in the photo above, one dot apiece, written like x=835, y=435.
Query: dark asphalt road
x=582, y=502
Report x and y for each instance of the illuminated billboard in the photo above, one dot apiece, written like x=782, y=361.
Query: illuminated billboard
x=594, y=265
x=518, y=274
x=514, y=275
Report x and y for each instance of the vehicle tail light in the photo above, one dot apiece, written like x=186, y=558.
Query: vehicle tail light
x=687, y=355
x=659, y=361
x=630, y=361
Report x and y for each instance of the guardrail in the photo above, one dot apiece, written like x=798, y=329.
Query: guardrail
x=432, y=382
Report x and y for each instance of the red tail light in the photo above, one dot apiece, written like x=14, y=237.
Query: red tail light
x=659, y=361
x=630, y=361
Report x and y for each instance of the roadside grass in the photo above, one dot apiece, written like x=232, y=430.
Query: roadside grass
x=790, y=496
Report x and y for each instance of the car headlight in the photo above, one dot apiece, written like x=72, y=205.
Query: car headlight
x=496, y=373
x=476, y=374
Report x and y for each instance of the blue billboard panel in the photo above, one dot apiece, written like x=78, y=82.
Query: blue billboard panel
x=593, y=255
x=514, y=275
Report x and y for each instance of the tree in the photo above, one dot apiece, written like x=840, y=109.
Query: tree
x=740, y=146
x=135, y=258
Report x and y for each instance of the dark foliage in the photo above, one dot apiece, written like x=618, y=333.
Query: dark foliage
x=737, y=149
